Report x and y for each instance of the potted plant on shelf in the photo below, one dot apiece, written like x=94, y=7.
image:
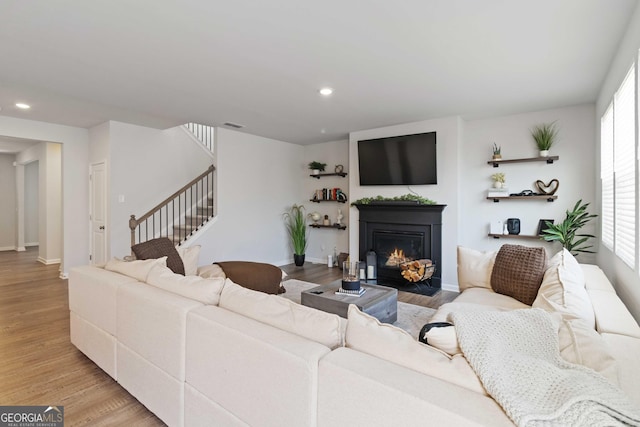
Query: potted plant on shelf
x=496, y=152
x=498, y=180
x=545, y=136
x=296, y=223
x=317, y=167
x=566, y=231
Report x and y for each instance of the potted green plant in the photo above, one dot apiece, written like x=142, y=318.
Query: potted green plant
x=566, y=232
x=496, y=152
x=498, y=180
x=296, y=223
x=317, y=167
x=545, y=136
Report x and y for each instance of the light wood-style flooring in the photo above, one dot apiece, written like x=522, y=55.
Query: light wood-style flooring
x=40, y=366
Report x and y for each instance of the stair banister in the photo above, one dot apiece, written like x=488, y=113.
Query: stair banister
x=200, y=179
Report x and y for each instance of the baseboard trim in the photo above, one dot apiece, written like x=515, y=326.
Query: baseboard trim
x=450, y=287
x=48, y=261
x=8, y=248
x=31, y=244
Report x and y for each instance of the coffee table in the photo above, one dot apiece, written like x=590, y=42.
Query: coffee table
x=378, y=301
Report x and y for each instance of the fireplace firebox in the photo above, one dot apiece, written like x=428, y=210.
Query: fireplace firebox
x=400, y=232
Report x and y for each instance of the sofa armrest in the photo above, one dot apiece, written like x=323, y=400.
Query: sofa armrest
x=358, y=389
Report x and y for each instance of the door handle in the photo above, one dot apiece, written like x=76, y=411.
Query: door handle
x=101, y=227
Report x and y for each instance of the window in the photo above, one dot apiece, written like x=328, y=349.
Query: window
x=618, y=172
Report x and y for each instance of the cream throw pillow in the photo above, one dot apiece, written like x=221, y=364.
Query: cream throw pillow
x=190, y=258
x=207, y=291
x=281, y=313
x=366, y=334
x=579, y=343
x=474, y=268
x=563, y=289
x=138, y=269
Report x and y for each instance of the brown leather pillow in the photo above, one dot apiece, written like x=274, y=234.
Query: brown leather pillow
x=254, y=275
x=518, y=272
x=157, y=248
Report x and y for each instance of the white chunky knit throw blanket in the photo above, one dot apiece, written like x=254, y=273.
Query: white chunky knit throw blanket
x=515, y=354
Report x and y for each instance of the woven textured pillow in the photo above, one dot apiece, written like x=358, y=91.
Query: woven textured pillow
x=518, y=272
x=157, y=248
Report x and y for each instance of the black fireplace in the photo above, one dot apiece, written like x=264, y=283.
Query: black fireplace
x=399, y=232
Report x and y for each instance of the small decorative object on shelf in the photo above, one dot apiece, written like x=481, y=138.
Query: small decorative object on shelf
x=495, y=227
x=542, y=225
x=317, y=167
x=338, y=169
x=513, y=225
x=496, y=152
x=326, y=221
x=315, y=217
x=339, y=217
x=498, y=180
x=545, y=136
x=547, y=189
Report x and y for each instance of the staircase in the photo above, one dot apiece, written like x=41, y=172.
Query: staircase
x=187, y=210
x=180, y=215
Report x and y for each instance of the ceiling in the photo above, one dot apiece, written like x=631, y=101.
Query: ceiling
x=260, y=64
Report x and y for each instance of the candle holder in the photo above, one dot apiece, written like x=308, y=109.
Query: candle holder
x=351, y=275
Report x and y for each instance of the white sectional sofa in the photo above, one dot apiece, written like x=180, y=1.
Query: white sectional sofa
x=202, y=352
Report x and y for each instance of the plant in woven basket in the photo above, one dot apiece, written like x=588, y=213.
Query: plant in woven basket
x=566, y=232
x=296, y=223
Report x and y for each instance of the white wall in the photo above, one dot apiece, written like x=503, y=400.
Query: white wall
x=75, y=186
x=48, y=158
x=625, y=280
x=31, y=205
x=574, y=171
x=322, y=241
x=145, y=167
x=446, y=192
x=258, y=180
x=8, y=205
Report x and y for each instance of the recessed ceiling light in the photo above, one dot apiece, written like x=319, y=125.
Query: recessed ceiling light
x=23, y=106
x=326, y=91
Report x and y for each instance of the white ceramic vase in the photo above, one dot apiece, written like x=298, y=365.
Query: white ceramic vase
x=497, y=184
x=544, y=153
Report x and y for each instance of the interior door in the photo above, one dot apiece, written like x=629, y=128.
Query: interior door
x=98, y=214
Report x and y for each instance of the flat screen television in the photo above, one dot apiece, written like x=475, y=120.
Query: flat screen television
x=398, y=160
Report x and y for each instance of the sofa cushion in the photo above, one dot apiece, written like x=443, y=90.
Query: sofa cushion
x=579, y=343
x=366, y=334
x=518, y=271
x=158, y=248
x=563, y=289
x=474, y=268
x=612, y=316
x=190, y=257
x=254, y=275
x=211, y=271
x=315, y=325
x=626, y=350
x=207, y=291
x=138, y=269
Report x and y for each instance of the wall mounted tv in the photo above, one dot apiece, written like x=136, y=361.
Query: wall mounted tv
x=398, y=160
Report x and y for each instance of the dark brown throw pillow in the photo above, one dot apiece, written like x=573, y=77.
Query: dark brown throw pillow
x=518, y=272
x=254, y=275
x=157, y=248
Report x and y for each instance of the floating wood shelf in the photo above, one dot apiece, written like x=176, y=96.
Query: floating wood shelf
x=543, y=197
x=327, y=200
x=515, y=236
x=549, y=160
x=317, y=176
x=336, y=226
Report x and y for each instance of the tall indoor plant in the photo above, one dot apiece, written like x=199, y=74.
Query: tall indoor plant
x=566, y=232
x=296, y=223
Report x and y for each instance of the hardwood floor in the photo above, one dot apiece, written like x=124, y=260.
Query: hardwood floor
x=40, y=366
x=323, y=275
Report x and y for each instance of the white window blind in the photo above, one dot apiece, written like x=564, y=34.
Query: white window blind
x=624, y=161
x=606, y=176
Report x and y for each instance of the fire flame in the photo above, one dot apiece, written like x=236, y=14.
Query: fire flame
x=396, y=258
